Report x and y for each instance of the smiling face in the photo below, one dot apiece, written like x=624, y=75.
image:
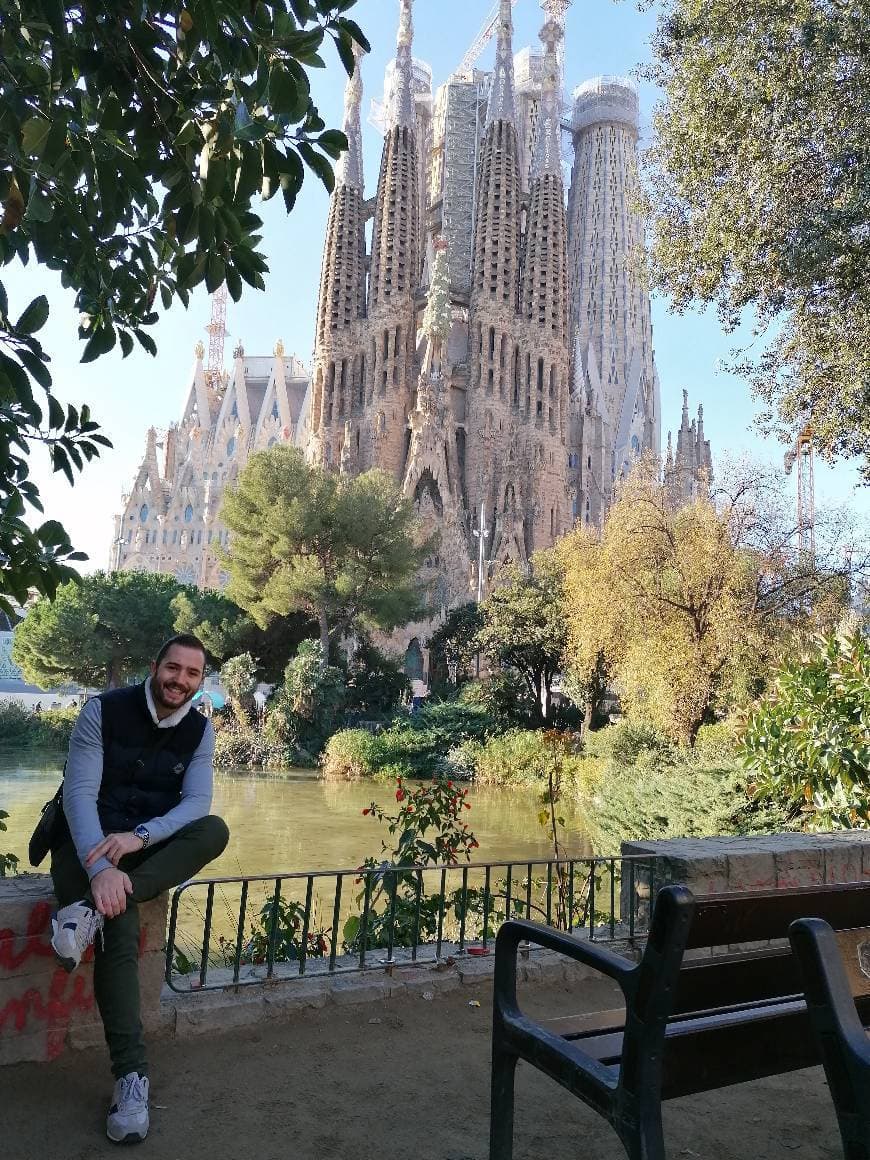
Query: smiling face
x=177, y=678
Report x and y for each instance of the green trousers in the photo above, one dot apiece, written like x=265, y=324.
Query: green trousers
x=116, y=961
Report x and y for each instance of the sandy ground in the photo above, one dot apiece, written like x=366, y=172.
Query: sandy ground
x=405, y=1079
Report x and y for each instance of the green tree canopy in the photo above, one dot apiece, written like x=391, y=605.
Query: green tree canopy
x=759, y=188
x=454, y=644
x=344, y=551
x=227, y=630
x=98, y=632
x=524, y=626
x=133, y=140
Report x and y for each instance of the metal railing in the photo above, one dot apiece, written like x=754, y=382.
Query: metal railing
x=248, y=931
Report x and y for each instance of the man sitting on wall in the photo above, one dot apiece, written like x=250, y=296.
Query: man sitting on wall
x=136, y=799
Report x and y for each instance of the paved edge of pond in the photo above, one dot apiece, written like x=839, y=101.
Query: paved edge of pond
x=206, y=1012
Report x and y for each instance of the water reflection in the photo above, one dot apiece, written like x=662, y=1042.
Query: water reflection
x=294, y=821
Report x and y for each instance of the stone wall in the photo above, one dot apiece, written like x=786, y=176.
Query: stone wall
x=44, y=1010
x=716, y=865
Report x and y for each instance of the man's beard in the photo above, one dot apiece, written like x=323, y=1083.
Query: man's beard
x=158, y=687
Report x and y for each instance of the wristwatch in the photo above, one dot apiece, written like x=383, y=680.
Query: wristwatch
x=142, y=833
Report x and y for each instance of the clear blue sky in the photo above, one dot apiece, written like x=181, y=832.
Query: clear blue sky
x=127, y=396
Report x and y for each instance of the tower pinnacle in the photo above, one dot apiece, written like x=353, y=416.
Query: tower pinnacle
x=547, y=157
x=348, y=170
x=400, y=107
x=501, y=98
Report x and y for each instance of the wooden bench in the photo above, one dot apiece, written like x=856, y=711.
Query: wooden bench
x=688, y=1026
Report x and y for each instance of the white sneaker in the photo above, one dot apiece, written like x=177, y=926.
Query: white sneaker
x=74, y=928
x=127, y=1121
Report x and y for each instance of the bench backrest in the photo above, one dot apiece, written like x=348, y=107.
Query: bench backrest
x=665, y=984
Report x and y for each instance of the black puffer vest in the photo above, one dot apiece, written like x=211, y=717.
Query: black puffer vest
x=143, y=766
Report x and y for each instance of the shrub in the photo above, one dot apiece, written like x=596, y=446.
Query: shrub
x=349, y=755
x=244, y=746
x=21, y=727
x=640, y=786
x=307, y=707
x=716, y=744
x=518, y=757
x=376, y=683
x=412, y=747
x=808, y=742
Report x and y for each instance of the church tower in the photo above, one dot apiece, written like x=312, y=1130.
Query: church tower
x=395, y=272
x=497, y=484
x=615, y=384
x=339, y=362
x=544, y=307
x=689, y=472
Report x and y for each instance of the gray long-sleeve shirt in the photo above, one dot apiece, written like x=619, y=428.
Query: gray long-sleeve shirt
x=84, y=773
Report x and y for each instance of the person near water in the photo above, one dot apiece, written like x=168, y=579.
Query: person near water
x=137, y=792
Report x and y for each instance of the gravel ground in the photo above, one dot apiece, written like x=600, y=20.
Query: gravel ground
x=405, y=1079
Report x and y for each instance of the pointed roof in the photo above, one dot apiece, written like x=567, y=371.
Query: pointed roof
x=548, y=158
x=400, y=112
x=349, y=168
x=501, y=97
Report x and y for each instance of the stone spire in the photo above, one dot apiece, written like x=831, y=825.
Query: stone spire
x=497, y=218
x=338, y=369
x=348, y=170
x=501, y=98
x=400, y=109
x=395, y=270
x=544, y=292
x=548, y=156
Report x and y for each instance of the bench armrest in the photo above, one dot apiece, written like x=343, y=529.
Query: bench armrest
x=517, y=930
x=828, y=993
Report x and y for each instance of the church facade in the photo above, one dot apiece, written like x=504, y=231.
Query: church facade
x=491, y=348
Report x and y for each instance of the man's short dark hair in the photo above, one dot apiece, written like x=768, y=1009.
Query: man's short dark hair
x=185, y=640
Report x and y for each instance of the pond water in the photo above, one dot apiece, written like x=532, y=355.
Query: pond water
x=294, y=821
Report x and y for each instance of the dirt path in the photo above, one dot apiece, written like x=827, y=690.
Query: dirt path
x=403, y=1080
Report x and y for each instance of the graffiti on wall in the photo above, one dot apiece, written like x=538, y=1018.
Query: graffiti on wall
x=49, y=998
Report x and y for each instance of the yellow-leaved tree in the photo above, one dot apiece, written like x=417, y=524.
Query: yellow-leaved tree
x=689, y=605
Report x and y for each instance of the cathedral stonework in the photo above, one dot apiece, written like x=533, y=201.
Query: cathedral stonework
x=491, y=349
x=170, y=518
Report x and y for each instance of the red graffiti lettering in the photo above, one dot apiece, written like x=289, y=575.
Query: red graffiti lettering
x=66, y=994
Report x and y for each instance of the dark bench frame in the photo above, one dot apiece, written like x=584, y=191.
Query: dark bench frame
x=839, y=1030
x=688, y=1027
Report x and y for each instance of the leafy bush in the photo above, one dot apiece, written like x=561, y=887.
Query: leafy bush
x=504, y=698
x=519, y=757
x=20, y=727
x=717, y=744
x=638, y=785
x=624, y=743
x=307, y=708
x=376, y=683
x=238, y=745
x=808, y=742
x=417, y=746
x=412, y=747
x=349, y=755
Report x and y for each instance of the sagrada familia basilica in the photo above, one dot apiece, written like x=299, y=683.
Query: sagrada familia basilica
x=491, y=349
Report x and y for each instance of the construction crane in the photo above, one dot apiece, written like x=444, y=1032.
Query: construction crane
x=217, y=334
x=802, y=455
x=480, y=42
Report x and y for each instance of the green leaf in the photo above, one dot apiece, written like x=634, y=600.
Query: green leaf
x=319, y=164
x=333, y=142
x=34, y=134
x=215, y=273
x=34, y=317
x=146, y=342
x=100, y=342
x=283, y=91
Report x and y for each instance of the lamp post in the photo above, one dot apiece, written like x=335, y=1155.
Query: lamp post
x=481, y=532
